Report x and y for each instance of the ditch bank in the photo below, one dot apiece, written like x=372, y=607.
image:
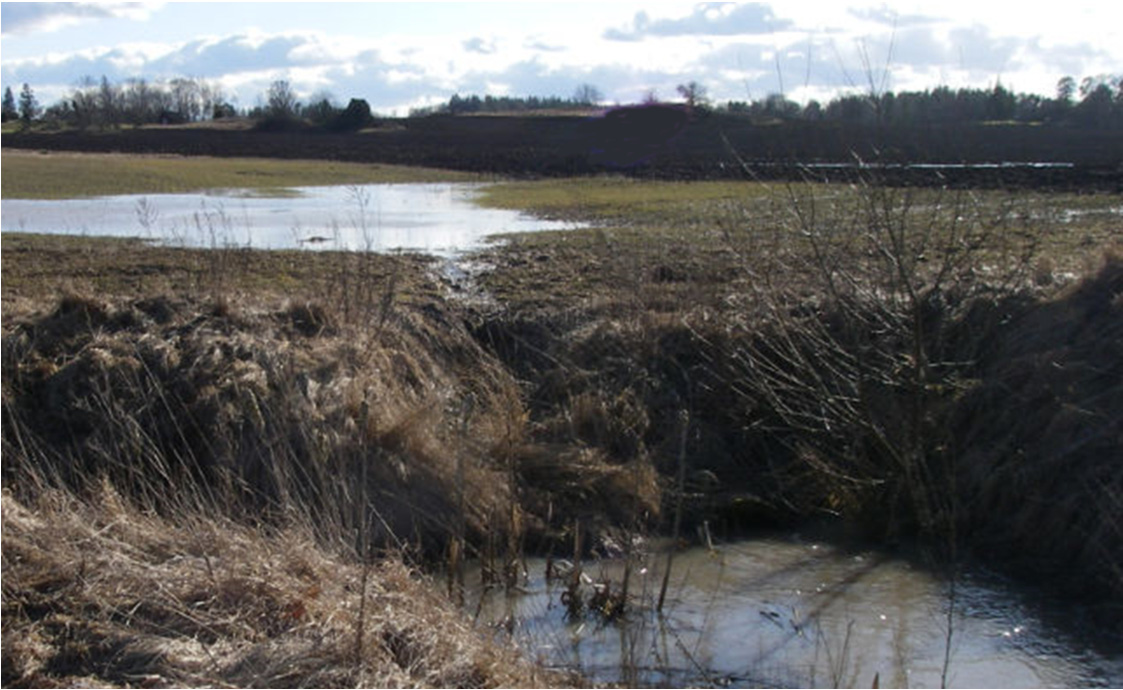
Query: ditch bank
x=414, y=425
x=1021, y=472
x=403, y=428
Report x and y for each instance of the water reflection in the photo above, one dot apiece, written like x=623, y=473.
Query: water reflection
x=785, y=612
x=438, y=219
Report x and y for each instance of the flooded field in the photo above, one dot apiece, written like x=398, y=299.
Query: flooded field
x=436, y=218
x=792, y=612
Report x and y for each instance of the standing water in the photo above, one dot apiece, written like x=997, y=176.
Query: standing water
x=786, y=612
x=437, y=219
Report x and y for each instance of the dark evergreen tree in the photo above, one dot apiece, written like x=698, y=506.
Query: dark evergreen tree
x=28, y=106
x=321, y=112
x=9, y=110
x=354, y=117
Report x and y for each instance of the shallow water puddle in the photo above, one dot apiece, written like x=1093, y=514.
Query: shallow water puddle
x=439, y=219
x=791, y=613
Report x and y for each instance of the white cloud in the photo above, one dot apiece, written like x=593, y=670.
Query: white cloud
x=480, y=45
x=887, y=17
x=736, y=51
x=27, y=17
x=706, y=19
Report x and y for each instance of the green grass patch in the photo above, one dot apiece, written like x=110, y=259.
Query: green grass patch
x=31, y=175
x=660, y=214
x=620, y=198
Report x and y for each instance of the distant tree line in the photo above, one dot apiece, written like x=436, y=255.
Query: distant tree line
x=283, y=110
x=1097, y=102
x=586, y=95
x=102, y=104
x=105, y=105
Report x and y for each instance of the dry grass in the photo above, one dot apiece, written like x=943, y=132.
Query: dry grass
x=870, y=353
x=348, y=429
x=99, y=594
x=1040, y=434
x=39, y=268
x=700, y=243
x=244, y=409
x=271, y=406
x=34, y=175
x=193, y=481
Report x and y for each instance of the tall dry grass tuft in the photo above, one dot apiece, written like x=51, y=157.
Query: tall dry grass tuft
x=259, y=414
x=99, y=593
x=202, y=496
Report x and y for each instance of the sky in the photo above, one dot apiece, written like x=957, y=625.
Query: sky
x=400, y=56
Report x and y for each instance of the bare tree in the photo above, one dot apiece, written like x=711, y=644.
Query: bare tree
x=187, y=101
x=108, y=103
x=83, y=102
x=138, y=102
x=694, y=94
x=281, y=103
x=587, y=94
x=861, y=303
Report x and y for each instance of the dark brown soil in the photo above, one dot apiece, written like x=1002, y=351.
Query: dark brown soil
x=663, y=143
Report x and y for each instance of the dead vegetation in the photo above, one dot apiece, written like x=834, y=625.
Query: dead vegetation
x=260, y=414
x=1040, y=441
x=920, y=363
x=100, y=594
x=363, y=434
x=220, y=465
x=205, y=488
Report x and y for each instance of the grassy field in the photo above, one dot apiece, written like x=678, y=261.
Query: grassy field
x=33, y=175
x=253, y=449
x=691, y=238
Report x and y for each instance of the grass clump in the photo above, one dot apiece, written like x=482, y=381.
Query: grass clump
x=234, y=492
x=99, y=593
x=256, y=413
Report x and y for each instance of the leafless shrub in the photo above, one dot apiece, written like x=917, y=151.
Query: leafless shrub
x=861, y=339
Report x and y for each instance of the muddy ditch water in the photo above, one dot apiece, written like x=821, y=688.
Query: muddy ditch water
x=794, y=611
x=439, y=219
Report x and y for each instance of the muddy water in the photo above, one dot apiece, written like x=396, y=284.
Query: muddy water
x=789, y=612
x=438, y=219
